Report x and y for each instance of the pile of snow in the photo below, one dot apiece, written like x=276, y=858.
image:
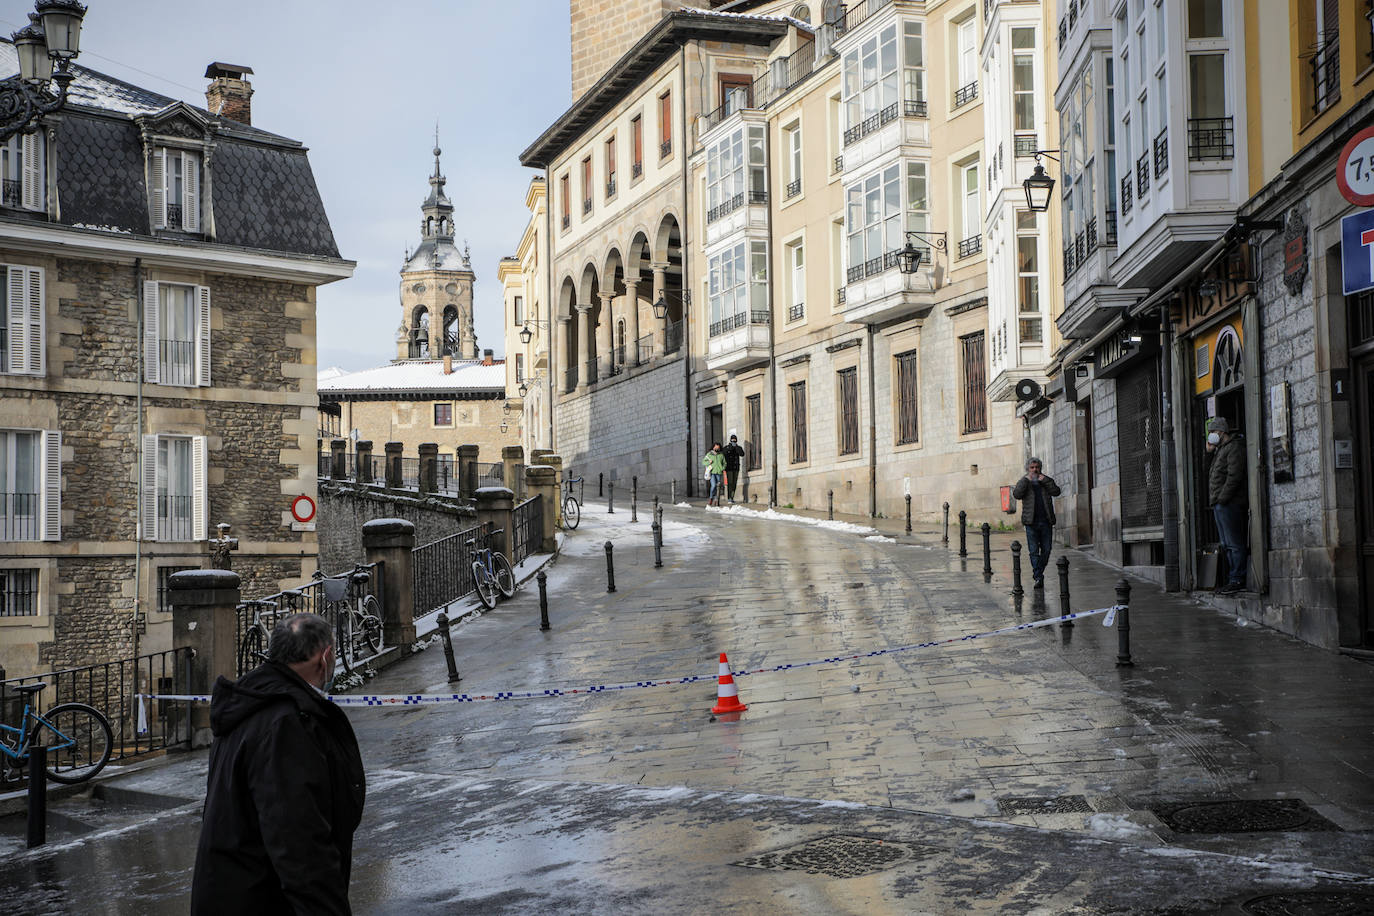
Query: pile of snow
x=880, y=539
x=1117, y=827
x=774, y=515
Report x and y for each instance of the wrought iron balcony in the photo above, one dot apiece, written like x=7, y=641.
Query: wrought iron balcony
x=636, y=169
x=871, y=123
x=1142, y=175
x=839, y=296
x=665, y=148
x=1063, y=33
x=738, y=320
x=970, y=246
x=797, y=312
x=610, y=186
x=570, y=380
x=725, y=207
x=793, y=188
x=1162, y=152
x=12, y=193
x=1110, y=238
x=965, y=94
x=1325, y=65
x=914, y=108
x=1025, y=145
x=646, y=348
x=873, y=266
x=567, y=220
x=586, y=206
x=1211, y=138
x=839, y=163
x=1092, y=235
x=758, y=197
x=174, y=216
x=672, y=338
x=1126, y=194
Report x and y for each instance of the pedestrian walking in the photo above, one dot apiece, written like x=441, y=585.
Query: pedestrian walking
x=733, y=453
x=1226, y=494
x=286, y=786
x=714, y=461
x=1036, y=491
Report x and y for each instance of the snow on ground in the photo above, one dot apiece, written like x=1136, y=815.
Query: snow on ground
x=1117, y=827
x=774, y=515
x=880, y=539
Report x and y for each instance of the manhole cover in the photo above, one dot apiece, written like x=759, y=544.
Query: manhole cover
x=1310, y=903
x=1043, y=804
x=838, y=856
x=1242, y=816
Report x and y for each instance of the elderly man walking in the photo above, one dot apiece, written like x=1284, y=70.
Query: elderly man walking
x=285, y=790
x=1036, y=491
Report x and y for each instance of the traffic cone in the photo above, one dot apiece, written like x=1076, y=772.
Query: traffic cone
x=727, y=694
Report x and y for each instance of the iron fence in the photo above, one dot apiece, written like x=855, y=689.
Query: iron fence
x=308, y=598
x=19, y=514
x=442, y=570
x=527, y=522
x=490, y=474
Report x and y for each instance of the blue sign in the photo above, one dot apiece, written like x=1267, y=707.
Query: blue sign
x=1357, y=252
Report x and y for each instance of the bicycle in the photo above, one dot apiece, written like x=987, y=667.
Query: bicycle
x=79, y=746
x=491, y=572
x=253, y=642
x=572, y=506
x=358, y=617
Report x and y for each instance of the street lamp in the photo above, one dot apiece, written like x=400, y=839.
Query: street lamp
x=46, y=47
x=1039, y=185
x=524, y=389
x=909, y=258
x=526, y=335
x=661, y=308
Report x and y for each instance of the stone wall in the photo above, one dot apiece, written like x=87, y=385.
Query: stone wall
x=603, y=30
x=345, y=507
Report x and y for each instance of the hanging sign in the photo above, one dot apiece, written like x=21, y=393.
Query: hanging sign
x=1355, y=169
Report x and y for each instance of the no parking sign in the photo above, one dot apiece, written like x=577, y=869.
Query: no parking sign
x=302, y=513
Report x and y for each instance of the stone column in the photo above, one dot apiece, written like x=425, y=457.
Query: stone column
x=204, y=603
x=605, y=337
x=390, y=542
x=393, y=464
x=429, y=467
x=542, y=481
x=495, y=505
x=565, y=355
x=632, y=305
x=338, y=459
x=364, y=450
x=467, y=470
x=512, y=456
x=584, y=353
x=537, y=455
x=660, y=292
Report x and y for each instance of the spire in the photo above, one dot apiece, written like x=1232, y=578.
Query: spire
x=437, y=208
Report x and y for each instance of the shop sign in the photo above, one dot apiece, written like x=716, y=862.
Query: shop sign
x=1295, y=253
x=1357, y=252
x=1218, y=289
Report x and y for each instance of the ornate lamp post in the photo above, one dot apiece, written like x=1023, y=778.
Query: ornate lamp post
x=1039, y=185
x=909, y=258
x=46, y=48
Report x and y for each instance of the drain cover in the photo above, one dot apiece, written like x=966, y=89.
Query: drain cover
x=1310, y=903
x=838, y=856
x=1242, y=816
x=1044, y=804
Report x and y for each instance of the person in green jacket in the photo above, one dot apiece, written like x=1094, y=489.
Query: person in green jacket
x=714, y=460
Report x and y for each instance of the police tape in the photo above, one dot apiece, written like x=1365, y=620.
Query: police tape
x=425, y=699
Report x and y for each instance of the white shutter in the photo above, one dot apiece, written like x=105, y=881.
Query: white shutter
x=33, y=283
x=17, y=317
x=151, y=371
x=159, y=189
x=190, y=204
x=199, y=491
x=203, y=336
x=31, y=165
x=148, y=511
x=52, y=485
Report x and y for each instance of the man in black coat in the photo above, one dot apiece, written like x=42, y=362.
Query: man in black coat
x=286, y=786
x=1036, y=491
x=733, y=453
x=1228, y=497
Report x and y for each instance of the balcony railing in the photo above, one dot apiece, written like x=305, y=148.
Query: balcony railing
x=1326, y=72
x=1162, y=152
x=617, y=360
x=1080, y=248
x=1063, y=33
x=19, y=516
x=610, y=186
x=840, y=296
x=793, y=188
x=174, y=518
x=586, y=206
x=646, y=348
x=636, y=169
x=1211, y=138
x=725, y=208
x=567, y=220
x=1092, y=235
x=758, y=197
x=839, y=163
x=1024, y=146
x=1142, y=175
x=1073, y=13
x=965, y=94
x=1126, y=194
x=665, y=148
x=174, y=216
x=739, y=320
x=871, y=123
x=914, y=108
x=672, y=338
x=970, y=246
x=1070, y=265
x=12, y=193
x=1110, y=238
x=855, y=13
x=797, y=312
x=176, y=362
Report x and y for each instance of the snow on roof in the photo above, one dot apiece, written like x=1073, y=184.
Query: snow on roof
x=757, y=17
x=419, y=375
x=333, y=372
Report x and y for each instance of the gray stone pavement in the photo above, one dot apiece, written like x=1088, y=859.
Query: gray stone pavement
x=636, y=801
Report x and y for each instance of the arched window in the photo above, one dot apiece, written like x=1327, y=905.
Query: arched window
x=450, y=331
x=833, y=11
x=419, y=334
x=801, y=11
x=1228, y=370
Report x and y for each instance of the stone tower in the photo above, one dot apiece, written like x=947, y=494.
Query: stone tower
x=436, y=285
x=603, y=30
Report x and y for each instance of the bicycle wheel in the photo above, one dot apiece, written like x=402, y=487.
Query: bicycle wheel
x=371, y=630
x=486, y=585
x=79, y=742
x=343, y=636
x=572, y=513
x=253, y=649
x=505, y=576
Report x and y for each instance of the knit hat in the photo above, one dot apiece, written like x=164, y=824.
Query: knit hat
x=1218, y=425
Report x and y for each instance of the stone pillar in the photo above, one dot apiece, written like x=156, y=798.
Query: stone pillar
x=495, y=505
x=537, y=455
x=584, y=353
x=203, y=611
x=364, y=453
x=632, y=306
x=467, y=470
x=565, y=355
x=338, y=459
x=393, y=464
x=549, y=459
x=429, y=467
x=660, y=292
x=605, y=337
x=512, y=456
x=390, y=541
x=542, y=481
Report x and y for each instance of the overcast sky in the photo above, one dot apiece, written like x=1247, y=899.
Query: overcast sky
x=362, y=84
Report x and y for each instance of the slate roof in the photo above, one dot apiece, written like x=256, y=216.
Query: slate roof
x=415, y=376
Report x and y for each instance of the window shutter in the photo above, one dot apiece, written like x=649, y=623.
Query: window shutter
x=159, y=189
x=199, y=491
x=203, y=336
x=52, y=485
x=151, y=372
x=33, y=282
x=17, y=318
x=31, y=177
x=190, y=204
x=148, y=511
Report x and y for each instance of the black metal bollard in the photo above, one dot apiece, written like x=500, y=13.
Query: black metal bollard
x=945, y=540
x=610, y=567
x=1123, y=625
x=658, y=546
x=442, y=621
x=610, y=497
x=38, y=796
x=963, y=532
x=1063, y=565
x=908, y=513
x=655, y=505
x=600, y=483
x=634, y=499
x=987, y=550
x=830, y=512
x=543, y=581
x=1016, y=588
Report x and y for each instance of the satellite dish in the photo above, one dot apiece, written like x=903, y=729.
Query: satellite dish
x=1028, y=389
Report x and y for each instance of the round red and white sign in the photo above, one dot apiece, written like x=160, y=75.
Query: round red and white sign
x=303, y=508
x=1355, y=169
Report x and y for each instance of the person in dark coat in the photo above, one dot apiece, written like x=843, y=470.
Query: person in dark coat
x=1036, y=491
x=286, y=785
x=1227, y=495
x=733, y=453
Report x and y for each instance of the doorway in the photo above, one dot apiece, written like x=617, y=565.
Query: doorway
x=715, y=426
x=1362, y=375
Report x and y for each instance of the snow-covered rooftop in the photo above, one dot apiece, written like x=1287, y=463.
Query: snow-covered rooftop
x=413, y=375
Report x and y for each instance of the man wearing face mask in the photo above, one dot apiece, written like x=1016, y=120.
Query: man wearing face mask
x=285, y=789
x=1226, y=494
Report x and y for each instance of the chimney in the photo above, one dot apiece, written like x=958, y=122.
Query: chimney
x=229, y=93
x=487, y=358
x=448, y=364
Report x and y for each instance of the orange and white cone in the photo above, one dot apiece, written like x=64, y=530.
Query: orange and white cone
x=727, y=694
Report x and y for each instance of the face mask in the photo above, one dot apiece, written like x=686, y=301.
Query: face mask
x=1214, y=438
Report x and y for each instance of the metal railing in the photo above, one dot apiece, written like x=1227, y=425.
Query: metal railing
x=1063, y=32
x=1162, y=152
x=840, y=296
x=441, y=571
x=672, y=338
x=174, y=521
x=1211, y=138
x=489, y=474
x=586, y=206
x=176, y=362
x=646, y=348
x=1126, y=194
x=527, y=522
x=914, y=108
x=855, y=13
x=1025, y=145
x=871, y=123
x=725, y=207
x=665, y=148
x=636, y=169
x=793, y=188
x=970, y=246
x=610, y=186
x=19, y=516
x=173, y=216
x=308, y=598
x=1142, y=175
x=1110, y=238
x=738, y=320
x=758, y=197
x=839, y=163
x=965, y=94
x=567, y=221
x=1325, y=65
x=796, y=312
x=13, y=196
x=1091, y=241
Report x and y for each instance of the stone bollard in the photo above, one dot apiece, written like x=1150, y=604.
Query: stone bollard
x=467, y=470
x=364, y=459
x=610, y=498
x=443, y=623
x=542, y=481
x=1123, y=625
x=963, y=526
x=429, y=467
x=945, y=540
x=830, y=505
x=1016, y=589
x=204, y=612
x=389, y=542
x=543, y=581
x=987, y=551
x=908, y=513
x=392, y=469
x=610, y=567
x=496, y=509
x=1063, y=565
x=512, y=456
x=338, y=459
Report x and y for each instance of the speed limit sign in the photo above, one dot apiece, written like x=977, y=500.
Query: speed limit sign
x=1355, y=169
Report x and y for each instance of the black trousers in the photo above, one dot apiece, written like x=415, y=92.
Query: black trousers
x=731, y=480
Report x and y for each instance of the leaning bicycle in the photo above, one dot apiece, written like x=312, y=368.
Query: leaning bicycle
x=491, y=572
x=253, y=641
x=358, y=617
x=572, y=506
x=77, y=737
